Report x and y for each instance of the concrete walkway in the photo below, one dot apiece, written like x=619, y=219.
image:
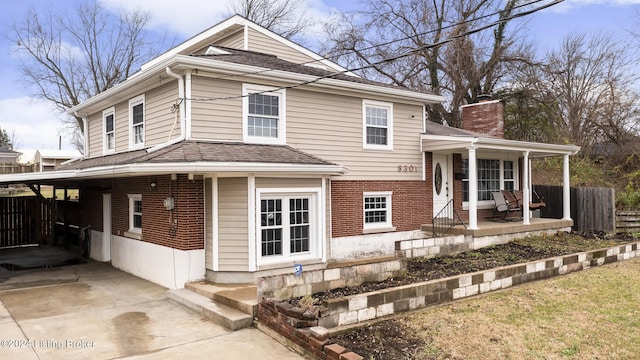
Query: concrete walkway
x=93, y=311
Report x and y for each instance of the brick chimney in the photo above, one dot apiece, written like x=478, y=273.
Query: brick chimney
x=484, y=117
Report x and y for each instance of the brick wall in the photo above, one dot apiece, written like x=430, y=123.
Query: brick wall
x=412, y=204
x=182, y=228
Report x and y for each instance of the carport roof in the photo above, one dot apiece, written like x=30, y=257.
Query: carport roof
x=189, y=156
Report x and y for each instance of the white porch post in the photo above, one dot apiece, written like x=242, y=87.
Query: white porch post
x=473, y=189
x=566, y=191
x=525, y=184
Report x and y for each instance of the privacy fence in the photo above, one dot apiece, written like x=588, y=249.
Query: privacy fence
x=592, y=209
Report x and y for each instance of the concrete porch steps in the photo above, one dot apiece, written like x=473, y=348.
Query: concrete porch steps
x=243, y=297
x=232, y=319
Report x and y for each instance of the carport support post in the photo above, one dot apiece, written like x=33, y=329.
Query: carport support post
x=566, y=190
x=525, y=185
x=473, y=189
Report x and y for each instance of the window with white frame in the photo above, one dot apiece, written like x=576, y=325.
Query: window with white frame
x=109, y=130
x=136, y=122
x=493, y=175
x=377, y=210
x=135, y=213
x=288, y=226
x=377, y=125
x=263, y=114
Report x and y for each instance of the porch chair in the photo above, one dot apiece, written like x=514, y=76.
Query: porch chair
x=503, y=208
x=538, y=204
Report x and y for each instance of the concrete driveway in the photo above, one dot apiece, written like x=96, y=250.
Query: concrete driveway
x=93, y=311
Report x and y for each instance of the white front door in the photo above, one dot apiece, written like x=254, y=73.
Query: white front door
x=440, y=184
x=105, y=250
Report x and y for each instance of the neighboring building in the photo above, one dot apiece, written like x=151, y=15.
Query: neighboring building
x=8, y=156
x=47, y=160
x=238, y=153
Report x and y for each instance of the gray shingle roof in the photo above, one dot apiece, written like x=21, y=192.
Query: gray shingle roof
x=204, y=151
x=438, y=129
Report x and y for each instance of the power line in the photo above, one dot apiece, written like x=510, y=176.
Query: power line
x=326, y=57
x=391, y=59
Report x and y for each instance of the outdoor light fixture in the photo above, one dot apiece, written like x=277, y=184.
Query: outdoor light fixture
x=153, y=184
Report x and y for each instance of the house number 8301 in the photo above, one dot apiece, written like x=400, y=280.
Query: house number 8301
x=407, y=168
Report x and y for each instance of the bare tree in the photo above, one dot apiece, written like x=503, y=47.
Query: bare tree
x=284, y=17
x=591, y=81
x=68, y=58
x=459, y=70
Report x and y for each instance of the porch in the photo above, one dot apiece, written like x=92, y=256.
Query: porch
x=494, y=228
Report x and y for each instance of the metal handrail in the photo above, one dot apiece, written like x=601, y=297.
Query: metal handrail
x=445, y=220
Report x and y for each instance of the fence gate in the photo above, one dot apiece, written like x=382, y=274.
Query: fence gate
x=25, y=221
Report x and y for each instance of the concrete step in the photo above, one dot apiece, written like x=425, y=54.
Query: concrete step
x=227, y=316
x=243, y=297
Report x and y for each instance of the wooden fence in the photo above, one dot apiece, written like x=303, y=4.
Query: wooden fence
x=592, y=209
x=628, y=221
x=25, y=221
x=13, y=168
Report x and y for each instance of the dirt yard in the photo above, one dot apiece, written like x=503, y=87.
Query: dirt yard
x=590, y=314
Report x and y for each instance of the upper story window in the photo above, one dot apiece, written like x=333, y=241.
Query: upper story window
x=109, y=130
x=263, y=114
x=377, y=125
x=136, y=122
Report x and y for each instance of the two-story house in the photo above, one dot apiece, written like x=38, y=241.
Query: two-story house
x=239, y=153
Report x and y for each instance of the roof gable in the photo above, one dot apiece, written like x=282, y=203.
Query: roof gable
x=236, y=26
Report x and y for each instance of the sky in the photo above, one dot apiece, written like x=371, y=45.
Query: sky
x=35, y=124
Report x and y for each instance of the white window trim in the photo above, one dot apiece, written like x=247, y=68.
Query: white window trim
x=133, y=102
x=105, y=113
x=317, y=239
x=389, y=106
x=490, y=204
x=248, y=89
x=378, y=227
x=133, y=230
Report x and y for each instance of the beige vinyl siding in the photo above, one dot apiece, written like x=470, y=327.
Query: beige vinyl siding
x=336, y=121
x=259, y=42
x=159, y=119
x=95, y=135
x=216, y=119
x=208, y=224
x=122, y=126
x=234, y=41
x=280, y=183
x=233, y=232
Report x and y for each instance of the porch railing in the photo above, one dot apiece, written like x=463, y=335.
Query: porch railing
x=446, y=219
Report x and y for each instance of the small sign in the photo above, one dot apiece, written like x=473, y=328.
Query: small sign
x=297, y=268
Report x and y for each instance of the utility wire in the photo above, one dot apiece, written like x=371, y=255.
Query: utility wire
x=391, y=59
x=326, y=57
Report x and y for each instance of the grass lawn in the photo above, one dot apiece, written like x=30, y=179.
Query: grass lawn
x=591, y=314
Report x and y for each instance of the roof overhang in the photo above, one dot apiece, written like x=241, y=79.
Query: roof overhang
x=160, y=168
x=148, y=78
x=445, y=143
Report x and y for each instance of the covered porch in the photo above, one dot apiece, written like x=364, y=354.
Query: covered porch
x=493, y=228
x=471, y=147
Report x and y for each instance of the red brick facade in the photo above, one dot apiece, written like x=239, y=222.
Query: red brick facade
x=412, y=204
x=181, y=228
x=485, y=118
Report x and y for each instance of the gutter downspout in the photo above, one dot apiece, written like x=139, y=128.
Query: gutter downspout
x=187, y=104
x=85, y=134
x=183, y=126
x=182, y=97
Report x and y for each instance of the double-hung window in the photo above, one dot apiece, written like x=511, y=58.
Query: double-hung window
x=377, y=125
x=109, y=131
x=263, y=114
x=135, y=213
x=493, y=175
x=377, y=210
x=136, y=122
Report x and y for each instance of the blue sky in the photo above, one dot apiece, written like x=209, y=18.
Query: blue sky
x=37, y=125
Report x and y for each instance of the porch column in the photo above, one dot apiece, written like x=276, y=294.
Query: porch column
x=566, y=190
x=525, y=191
x=473, y=189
